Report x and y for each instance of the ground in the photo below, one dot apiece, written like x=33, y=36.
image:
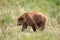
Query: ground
x=14, y=33
x=10, y=9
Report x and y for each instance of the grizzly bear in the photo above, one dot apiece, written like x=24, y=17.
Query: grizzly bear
x=33, y=19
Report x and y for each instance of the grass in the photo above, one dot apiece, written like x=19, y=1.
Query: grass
x=10, y=9
x=14, y=33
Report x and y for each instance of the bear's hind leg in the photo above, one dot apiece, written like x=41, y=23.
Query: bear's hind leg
x=34, y=27
x=43, y=26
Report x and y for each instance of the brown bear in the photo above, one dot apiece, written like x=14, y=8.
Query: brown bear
x=33, y=19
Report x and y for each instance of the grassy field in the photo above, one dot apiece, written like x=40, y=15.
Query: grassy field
x=10, y=9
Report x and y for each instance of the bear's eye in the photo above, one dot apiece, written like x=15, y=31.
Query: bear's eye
x=21, y=19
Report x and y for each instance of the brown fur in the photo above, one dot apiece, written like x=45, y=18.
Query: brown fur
x=34, y=19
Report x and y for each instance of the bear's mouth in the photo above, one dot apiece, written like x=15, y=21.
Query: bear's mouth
x=18, y=24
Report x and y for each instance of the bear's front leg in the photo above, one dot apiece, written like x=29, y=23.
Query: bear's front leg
x=24, y=26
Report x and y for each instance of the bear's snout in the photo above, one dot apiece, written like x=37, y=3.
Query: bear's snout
x=18, y=23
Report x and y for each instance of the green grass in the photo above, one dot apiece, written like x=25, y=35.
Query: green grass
x=10, y=9
x=14, y=33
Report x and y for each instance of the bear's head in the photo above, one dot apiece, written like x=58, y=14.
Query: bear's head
x=21, y=20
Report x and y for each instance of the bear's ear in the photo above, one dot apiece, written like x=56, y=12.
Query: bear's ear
x=21, y=18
